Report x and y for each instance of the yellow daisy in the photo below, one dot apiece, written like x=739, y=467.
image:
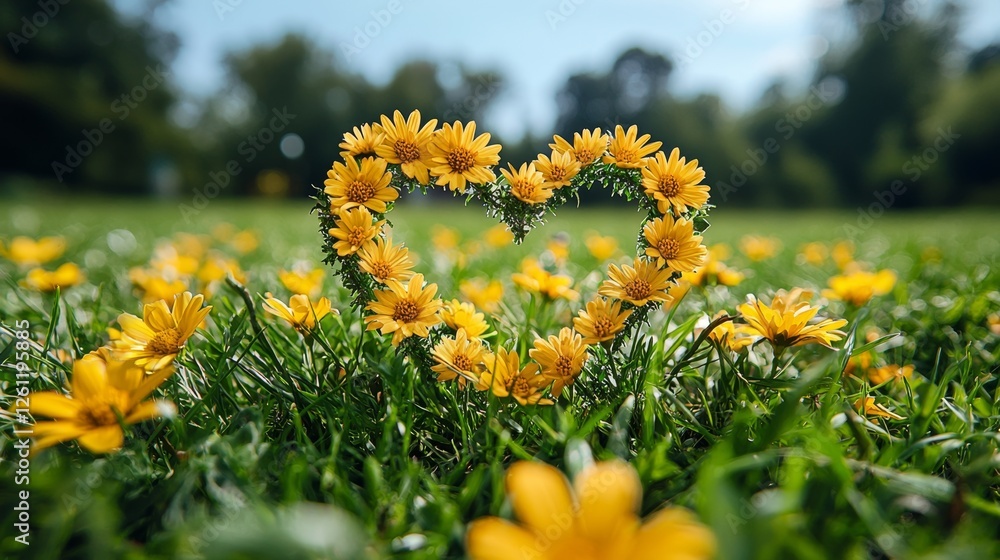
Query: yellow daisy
x=674, y=183
x=407, y=144
x=534, y=278
x=460, y=357
x=498, y=236
x=385, y=261
x=758, y=248
x=561, y=357
x=880, y=375
x=154, y=341
x=813, y=253
x=729, y=335
x=786, y=322
x=66, y=276
x=558, y=170
x=355, y=227
x=364, y=141
x=628, y=151
x=484, y=295
x=458, y=156
x=586, y=148
x=868, y=407
x=601, y=247
x=308, y=282
x=301, y=313
x=859, y=287
x=601, y=320
x=504, y=376
x=673, y=244
x=353, y=185
x=527, y=184
x=638, y=284
x=404, y=311
x=460, y=316
x=25, y=251
x=154, y=285
x=103, y=396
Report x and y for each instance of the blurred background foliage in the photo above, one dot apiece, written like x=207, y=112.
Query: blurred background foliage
x=875, y=107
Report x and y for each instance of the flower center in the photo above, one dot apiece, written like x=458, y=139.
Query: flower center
x=461, y=160
x=668, y=248
x=405, y=311
x=557, y=174
x=524, y=189
x=669, y=186
x=407, y=151
x=381, y=270
x=462, y=362
x=584, y=156
x=165, y=342
x=627, y=155
x=357, y=237
x=637, y=289
x=564, y=366
x=360, y=191
x=100, y=410
x=603, y=327
x=521, y=387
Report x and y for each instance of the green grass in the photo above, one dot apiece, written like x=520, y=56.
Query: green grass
x=270, y=448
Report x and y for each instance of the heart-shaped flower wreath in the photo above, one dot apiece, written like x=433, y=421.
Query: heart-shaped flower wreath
x=380, y=159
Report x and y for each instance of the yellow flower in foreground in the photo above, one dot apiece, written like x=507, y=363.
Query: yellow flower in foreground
x=536, y=279
x=354, y=228
x=300, y=313
x=814, y=253
x=461, y=316
x=366, y=184
x=601, y=247
x=498, y=236
x=674, y=183
x=758, y=248
x=527, y=184
x=786, y=321
x=460, y=357
x=638, y=284
x=505, y=378
x=66, y=276
x=628, y=151
x=308, y=282
x=601, y=320
x=155, y=340
x=386, y=261
x=407, y=144
x=557, y=170
x=459, y=157
x=672, y=243
x=363, y=141
x=404, y=311
x=880, y=375
x=729, y=335
x=484, y=295
x=103, y=396
x=868, y=407
x=561, y=357
x=859, y=287
x=25, y=251
x=586, y=148
x=154, y=285
x=595, y=519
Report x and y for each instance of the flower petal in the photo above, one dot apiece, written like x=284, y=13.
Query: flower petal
x=103, y=439
x=52, y=405
x=673, y=534
x=492, y=538
x=541, y=497
x=610, y=494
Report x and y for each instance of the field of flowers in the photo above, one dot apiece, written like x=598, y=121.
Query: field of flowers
x=764, y=387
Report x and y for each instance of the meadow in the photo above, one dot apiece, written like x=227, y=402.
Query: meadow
x=323, y=441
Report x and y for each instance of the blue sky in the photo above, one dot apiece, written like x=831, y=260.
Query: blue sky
x=536, y=44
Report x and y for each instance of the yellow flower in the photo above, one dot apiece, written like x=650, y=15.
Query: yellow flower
x=154, y=285
x=558, y=170
x=527, y=184
x=300, y=313
x=558, y=247
x=786, y=321
x=385, y=261
x=444, y=238
x=729, y=335
x=638, y=284
x=813, y=253
x=308, y=282
x=601, y=247
x=354, y=228
x=878, y=376
x=561, y=357
x=66, y=276
x=868, y=407
x=407, y=144
x=458, y=156
x=993, y=322
x=103, y=396
x=534, y=278
x=215, y=269
x=672, y=243
x=25, y=251
x=843, y=253
x=461, y=316
x=595, y=519
x=586, y=147
x=601, y=320
x=460, y=357
x=155, y=340
x=244, y=242
x=629, y=152
x=859, y=287
x=353, y=185
x=505, y=378
x=170, y=261
x=498, y=236
x=404, y=311
x=674, y=183
x=364, y=141
x=483, y=295
x=758, y=248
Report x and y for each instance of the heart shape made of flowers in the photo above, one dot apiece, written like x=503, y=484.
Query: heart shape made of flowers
x=380, y=159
